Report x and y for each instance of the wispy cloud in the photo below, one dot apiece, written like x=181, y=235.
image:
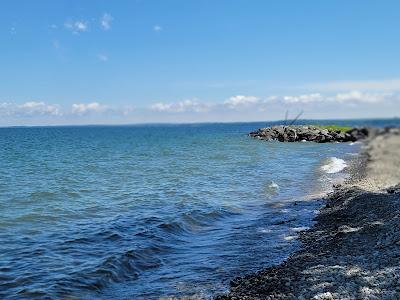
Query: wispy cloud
x=77, y=26
x=364, y=97
x=238, y=107
x=157, y=28
x=105, y=21
x=246, y=103
x=190, y=105
x=29, y=109
x=40, y=108
x=306, y=98
x=342, y=98
x=56, y=44
x=241, y=100
x=102, y=57
x=84, y=108
x=360, y=85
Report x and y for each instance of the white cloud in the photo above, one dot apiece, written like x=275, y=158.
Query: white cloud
x=157, y=28
x=82, y=108
x=102, y=57
x=345, y=97
x=81, y=26
x=7, y=109
x=307, y=98
x=240, y=100
x=357, y=96
x=190, y=105
x=240, y=107
x=259, y=104
x=105, y=21
x=31, y=108
x=77, y=26
x=40, y=108
x=126, y=110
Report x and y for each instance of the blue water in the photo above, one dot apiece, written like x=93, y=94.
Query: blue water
x=143, y=212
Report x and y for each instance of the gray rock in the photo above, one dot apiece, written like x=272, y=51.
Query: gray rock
x=311, y=133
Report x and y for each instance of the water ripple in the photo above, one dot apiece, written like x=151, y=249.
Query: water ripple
x=142, y=212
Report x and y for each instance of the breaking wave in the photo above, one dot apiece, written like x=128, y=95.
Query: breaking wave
x=333, y=165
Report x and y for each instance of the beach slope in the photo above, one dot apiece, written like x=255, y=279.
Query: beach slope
x=353, y=251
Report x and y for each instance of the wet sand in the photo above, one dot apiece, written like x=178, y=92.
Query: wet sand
x=353, y=251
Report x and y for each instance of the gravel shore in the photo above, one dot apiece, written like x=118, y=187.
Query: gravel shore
x=353, y=251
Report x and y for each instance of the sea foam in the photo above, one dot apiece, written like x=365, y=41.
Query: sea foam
x=273, y=185
x=334, y=165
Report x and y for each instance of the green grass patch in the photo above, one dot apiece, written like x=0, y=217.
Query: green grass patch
x=336, y=127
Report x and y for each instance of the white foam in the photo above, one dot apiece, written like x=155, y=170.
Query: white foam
x=265, y=230
x=273, y=185
x=334, y=165
x=271, y=189
x=298, y=229
x=290, y=237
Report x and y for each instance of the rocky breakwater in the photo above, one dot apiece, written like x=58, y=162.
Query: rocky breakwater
x=299, y=133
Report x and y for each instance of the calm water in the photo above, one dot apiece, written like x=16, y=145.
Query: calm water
x=143, y=212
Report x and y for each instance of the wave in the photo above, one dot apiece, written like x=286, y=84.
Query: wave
x=192, y=221
x=117, y=267
x=271, y=188
x=334, y=165
x=273, y=185
x=129, y=260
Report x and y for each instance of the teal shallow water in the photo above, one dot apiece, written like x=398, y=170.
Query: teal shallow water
x=143, y=212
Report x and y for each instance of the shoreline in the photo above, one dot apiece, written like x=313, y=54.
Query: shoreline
x=352, y=251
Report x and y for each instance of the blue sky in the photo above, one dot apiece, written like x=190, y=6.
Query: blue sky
x=80, y=62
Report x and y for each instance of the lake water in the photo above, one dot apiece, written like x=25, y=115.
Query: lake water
x=152, y=211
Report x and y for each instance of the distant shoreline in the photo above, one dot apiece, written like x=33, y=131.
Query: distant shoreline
x=352, y=251
x=278, y=121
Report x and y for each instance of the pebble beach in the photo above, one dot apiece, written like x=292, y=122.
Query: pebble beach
x=352, y=251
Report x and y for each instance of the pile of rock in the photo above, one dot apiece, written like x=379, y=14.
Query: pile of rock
x=298, y=133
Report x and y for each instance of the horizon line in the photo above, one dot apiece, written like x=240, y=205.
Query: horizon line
x=192, y=123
